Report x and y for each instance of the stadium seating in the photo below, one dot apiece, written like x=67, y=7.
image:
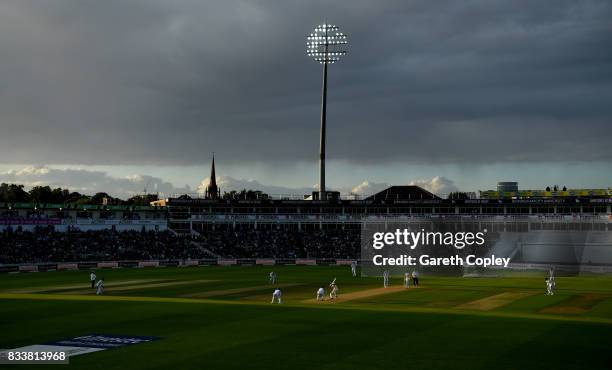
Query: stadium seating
x=46, y=245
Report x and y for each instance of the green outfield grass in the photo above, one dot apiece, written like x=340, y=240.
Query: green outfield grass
x=220, y=317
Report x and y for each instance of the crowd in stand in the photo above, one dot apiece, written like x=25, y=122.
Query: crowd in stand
x=282, y=243
x=46, y=245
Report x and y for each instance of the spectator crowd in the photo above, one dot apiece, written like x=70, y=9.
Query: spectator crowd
x=282, y=243
x=46, y=245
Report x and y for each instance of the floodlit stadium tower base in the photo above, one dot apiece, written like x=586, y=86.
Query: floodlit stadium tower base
x=326, y=195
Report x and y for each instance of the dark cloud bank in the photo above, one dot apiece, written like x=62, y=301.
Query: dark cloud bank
x=160, y=82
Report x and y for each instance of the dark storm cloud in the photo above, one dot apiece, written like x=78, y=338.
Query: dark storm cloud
x=160, y=82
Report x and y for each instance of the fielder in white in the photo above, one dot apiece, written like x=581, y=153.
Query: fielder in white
x=354, y=268
x=553, y=285
x=548, y=286
x=386, y=278
x=415, y=279
x=272, y=277
x=92, y=279
x=552, y=281
x=407, y=280
x=321, y=294
x=277, y=295
x=100, y=287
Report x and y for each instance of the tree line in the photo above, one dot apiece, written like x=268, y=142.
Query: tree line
x=16, y=193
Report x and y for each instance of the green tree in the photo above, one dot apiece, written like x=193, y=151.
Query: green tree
x=81, y=200
x=13, y=193
x=74, y=197
x=41, y=194
x=245, y=194
x=59, y=195
x=98, y=198
x=142, y=200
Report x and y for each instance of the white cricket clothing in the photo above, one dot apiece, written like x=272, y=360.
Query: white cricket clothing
x=100, y=287
x=553, y=285
x=334, y=292
x=320, y=294
x=549, y=287
x=276, y=295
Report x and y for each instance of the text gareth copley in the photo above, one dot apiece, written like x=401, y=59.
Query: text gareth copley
x=426, y=260
x=412, y=239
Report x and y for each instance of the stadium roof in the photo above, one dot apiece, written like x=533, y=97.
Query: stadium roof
x=404, y=192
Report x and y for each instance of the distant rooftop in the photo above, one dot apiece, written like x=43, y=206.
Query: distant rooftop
x=404, y=192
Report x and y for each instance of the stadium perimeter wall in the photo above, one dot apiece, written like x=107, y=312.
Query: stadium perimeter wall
x=44, y=267
x=51, y=266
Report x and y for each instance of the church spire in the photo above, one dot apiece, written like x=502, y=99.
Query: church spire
x=212, y=192
x=213, y=178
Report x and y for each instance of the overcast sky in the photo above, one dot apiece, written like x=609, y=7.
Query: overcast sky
x=470, y=92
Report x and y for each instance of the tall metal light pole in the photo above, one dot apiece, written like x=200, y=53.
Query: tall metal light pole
x=325, y=45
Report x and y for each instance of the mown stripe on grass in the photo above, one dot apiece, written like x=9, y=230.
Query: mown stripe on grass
x=99, y=298
x=494, y=301
x=83, y=286
x=224, y=292
x=115, y=288
x=576, y=304
x=406, y=309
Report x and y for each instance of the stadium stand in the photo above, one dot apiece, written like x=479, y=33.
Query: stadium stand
x=46, y=245
x=195, y=228
x=43, y=244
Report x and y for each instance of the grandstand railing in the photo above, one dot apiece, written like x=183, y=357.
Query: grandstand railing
x=278, y=196
x=220, y=261
x=99, y=265
x=274, y=217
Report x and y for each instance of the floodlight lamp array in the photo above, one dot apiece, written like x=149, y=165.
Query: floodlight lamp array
x=326, y=44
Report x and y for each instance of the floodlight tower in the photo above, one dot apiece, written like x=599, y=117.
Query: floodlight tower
x=325, y=45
